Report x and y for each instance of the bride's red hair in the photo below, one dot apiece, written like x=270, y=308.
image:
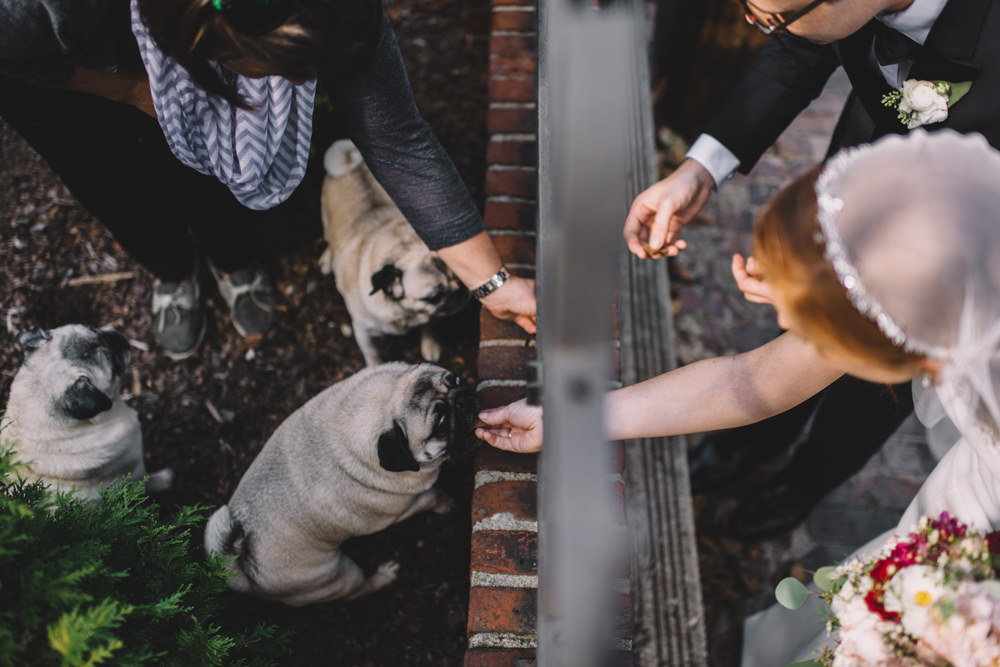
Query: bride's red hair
x=789, y=247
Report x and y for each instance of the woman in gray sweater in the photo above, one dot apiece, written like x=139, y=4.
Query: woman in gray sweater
x=73, y=85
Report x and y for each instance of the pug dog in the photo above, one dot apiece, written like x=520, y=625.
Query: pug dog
x=390, y=281
x=358, y=457
x=65, y=417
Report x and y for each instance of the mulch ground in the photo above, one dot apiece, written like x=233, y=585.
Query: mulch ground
x=208, y=416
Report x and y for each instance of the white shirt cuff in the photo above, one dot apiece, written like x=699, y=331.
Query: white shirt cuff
x=713, y=156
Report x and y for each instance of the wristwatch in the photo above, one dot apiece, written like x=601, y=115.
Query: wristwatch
x=493, y=284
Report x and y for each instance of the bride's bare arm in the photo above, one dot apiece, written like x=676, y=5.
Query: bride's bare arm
x=722, y=392
x=704, y=396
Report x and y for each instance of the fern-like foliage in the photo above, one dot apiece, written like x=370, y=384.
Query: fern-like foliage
x=113, y=584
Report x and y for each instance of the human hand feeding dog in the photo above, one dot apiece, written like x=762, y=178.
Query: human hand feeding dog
x=390, y=281
x=355, y=459
x=65, y=416
x=516, y=427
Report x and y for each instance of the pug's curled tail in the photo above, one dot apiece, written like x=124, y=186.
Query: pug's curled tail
x=341, y=158
x=226, y=537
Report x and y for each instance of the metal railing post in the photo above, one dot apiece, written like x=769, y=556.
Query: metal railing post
x=585, y=72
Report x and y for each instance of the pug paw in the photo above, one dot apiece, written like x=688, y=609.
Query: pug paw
x=444, y=505
x=385, y=574
x=430, y=349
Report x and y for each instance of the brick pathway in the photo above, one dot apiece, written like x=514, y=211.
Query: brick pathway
x=712, y=318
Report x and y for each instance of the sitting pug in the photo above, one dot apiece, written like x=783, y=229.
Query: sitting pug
x=65, y=416
x=358, y=457
x=391, y=282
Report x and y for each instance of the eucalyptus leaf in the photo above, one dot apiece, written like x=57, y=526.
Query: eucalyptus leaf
x=806, y=663
x=958, y=91
x=791, y=593
x=823, y=578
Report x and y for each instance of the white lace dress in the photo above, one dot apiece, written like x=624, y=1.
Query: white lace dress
x=966, y=483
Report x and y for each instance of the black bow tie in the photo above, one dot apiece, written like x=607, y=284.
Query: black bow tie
x=892, y=46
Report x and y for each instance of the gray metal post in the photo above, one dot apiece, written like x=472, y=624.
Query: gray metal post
x=584, y=88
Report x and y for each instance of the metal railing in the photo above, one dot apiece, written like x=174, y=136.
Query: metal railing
x=595, y=153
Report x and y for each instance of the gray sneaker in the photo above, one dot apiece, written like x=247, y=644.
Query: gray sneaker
x=251, y=298
x=178, y=317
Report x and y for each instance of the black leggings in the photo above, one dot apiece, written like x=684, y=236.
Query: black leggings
x=115, y=161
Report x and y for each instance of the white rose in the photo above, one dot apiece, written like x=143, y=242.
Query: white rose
x=861, y=636
x=920, y=96
x=935, y=115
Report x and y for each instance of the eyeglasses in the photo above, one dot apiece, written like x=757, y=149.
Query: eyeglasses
x=777, y=22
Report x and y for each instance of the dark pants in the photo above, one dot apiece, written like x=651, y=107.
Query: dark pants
x=115, y=161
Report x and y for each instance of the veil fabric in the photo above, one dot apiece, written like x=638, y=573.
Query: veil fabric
x=912, y=226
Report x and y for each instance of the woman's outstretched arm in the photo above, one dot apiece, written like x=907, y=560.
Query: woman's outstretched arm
x=704, y=396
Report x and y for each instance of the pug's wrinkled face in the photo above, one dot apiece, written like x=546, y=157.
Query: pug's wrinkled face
x=433, y=423
x=75, y=368
x=420, y=283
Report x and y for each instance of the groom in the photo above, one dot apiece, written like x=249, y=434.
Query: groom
x=881, y=44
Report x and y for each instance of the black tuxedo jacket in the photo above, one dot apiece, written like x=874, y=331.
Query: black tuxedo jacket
x=963, y=45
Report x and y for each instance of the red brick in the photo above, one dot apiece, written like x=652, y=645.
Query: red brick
x=494, y=397
x=505, y=363
x=490, y=458
x=514, y=20
x=500, y=657
x=519, y=3
x=516, y=248
x=516, y=46
x=503, y=610
x=510, y=214
x=511, y=119
x=512, y=182
x=512, y=67
x=518, y=498
x=505, y=552
x=491, y=328
x=522, y=152
x=504, y=89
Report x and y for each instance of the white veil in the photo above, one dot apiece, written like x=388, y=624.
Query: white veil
x=912, y=227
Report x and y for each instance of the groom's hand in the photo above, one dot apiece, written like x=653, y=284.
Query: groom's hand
x=653, y=225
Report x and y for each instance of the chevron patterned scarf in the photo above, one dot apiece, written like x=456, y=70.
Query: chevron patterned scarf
x=259, y=154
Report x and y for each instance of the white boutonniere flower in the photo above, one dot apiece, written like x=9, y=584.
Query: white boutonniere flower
x=925, y=102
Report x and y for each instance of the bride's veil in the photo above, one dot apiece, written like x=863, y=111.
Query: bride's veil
x=912, y=226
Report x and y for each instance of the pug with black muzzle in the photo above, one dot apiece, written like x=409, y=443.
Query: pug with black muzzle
x=358, y=457
x=391, y=282
x=65, y=416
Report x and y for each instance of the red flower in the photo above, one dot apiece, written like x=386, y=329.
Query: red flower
x=993, y=541
x=883, y=570
x=874, y=599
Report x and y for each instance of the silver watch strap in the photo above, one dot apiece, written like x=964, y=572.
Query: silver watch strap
x=491, y=285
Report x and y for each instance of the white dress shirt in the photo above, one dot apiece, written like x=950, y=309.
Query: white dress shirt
x=915, y=22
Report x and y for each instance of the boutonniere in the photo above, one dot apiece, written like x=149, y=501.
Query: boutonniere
x=925, y=102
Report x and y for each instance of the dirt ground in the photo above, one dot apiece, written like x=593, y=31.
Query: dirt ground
x=208, y=416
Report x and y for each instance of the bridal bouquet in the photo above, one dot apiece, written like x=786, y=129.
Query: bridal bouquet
x=930, y=598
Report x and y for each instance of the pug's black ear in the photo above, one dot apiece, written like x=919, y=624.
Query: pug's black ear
x=117, y=344
x=32, y=340
x=387, y=279
x=394, y=450
x=83, y=400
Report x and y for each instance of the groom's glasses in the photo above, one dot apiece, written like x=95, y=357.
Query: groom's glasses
x=775, y=23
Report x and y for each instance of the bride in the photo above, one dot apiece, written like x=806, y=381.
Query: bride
x=884, y=264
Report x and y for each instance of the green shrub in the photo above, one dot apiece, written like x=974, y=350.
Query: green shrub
x=113, y=584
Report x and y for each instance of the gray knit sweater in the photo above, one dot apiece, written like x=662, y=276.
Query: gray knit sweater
x=42, y=41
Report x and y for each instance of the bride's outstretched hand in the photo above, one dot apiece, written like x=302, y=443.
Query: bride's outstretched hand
x=746, y=274
x=516, y=427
